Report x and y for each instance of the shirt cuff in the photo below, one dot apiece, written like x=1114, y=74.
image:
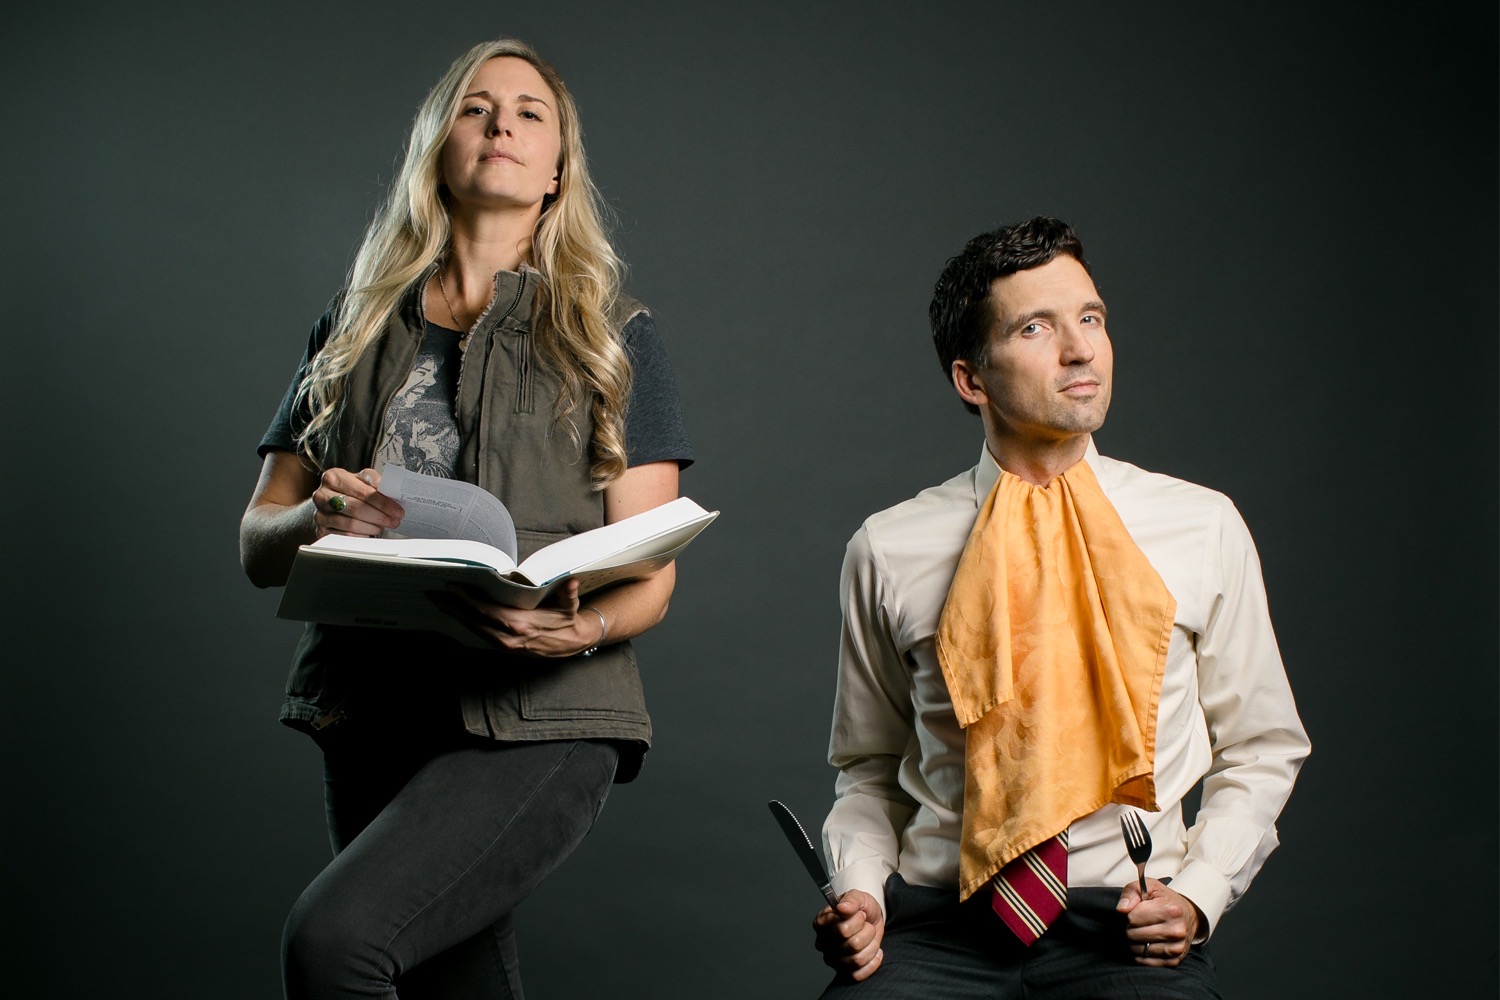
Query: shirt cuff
x=1206, y=889
x=866, y=876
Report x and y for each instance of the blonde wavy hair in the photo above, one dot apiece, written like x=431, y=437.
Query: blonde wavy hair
x=411, y=231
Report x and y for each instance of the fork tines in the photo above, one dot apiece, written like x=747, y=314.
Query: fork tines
x=1137, y=842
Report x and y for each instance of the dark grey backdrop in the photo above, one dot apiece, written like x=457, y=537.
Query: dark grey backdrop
x=1291, y=211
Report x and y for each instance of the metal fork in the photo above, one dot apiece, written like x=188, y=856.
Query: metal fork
x=1137, y=842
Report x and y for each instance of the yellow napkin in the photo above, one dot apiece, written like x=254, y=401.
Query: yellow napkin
x=1052, y=642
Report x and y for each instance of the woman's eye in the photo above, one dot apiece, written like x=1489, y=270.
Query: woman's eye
x=476, y=109
x=532, y=115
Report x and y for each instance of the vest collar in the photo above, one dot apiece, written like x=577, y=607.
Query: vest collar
x=510, y=305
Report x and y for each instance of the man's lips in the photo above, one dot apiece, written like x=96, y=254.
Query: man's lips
x=1081, y=386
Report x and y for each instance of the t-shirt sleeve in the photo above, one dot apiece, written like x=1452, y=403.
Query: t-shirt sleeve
x=654, y=431
x=282, y=434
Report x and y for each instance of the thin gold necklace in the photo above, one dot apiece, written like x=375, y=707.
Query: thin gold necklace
x=463, y=332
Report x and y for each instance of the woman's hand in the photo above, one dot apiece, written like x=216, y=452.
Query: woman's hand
x=564, y=629
x=292, y=505
x=612, y=615
x=350, y=503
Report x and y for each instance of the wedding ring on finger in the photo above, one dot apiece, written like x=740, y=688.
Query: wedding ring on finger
x=1146, y=950
x=337, y=503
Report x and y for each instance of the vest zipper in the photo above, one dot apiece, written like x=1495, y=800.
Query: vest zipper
x=523, y=375
x=484, y=368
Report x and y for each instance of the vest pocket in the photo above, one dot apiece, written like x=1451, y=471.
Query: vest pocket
x=606, y=685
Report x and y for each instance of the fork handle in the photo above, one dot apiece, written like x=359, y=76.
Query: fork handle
x=1141, y=870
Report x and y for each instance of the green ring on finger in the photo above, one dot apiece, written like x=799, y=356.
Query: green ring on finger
x=337, y=504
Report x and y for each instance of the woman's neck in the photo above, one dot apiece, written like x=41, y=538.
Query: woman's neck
x=483, y=245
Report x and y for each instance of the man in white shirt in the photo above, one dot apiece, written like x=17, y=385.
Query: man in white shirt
x=1019, y=326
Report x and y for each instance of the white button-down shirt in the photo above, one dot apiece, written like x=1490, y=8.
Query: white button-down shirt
x=1225, y=716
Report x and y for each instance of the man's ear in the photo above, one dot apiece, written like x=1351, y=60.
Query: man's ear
x=966, y=382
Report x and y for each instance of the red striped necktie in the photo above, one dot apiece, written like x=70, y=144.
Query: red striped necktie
x=1032, y=891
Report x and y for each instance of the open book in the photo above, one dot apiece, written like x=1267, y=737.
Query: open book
x=385, y=582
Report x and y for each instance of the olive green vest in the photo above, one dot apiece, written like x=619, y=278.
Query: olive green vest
x=514, y=447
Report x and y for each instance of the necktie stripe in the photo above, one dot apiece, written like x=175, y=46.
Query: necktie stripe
x=1032, y=890
x=1047, y=877
x=1021, y=909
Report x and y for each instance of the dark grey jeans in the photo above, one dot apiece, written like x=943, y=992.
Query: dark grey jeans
x=434, y=847
x=937, y=947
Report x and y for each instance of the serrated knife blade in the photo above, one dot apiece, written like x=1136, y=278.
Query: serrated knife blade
x=803, y=847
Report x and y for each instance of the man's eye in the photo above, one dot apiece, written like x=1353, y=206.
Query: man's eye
x=1031, y=329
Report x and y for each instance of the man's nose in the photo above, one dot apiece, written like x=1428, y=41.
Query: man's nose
x=1075, y=347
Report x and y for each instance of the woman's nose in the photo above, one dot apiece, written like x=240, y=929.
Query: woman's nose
x=499, y=124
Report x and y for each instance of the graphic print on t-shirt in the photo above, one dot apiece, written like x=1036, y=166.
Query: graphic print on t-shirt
x=420, y=433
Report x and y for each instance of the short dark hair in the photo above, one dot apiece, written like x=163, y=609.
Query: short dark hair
x=960, y=313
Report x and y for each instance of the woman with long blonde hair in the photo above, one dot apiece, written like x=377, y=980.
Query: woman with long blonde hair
x=482, y=335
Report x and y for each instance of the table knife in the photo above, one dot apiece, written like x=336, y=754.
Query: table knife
x=806, y=853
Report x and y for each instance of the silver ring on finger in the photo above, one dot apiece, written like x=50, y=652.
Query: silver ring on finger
x=1146, y=950
x=337, y=503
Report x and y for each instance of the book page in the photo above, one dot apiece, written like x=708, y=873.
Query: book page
x=582, y=551
x=448, y=508
x=458, y=550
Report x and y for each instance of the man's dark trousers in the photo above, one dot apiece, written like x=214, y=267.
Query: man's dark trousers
x=937, y=947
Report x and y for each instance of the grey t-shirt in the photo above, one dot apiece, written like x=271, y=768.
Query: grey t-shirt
x=419, y=432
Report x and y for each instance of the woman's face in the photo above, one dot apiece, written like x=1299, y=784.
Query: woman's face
x=504, y=151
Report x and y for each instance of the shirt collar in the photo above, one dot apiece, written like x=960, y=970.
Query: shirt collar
x=988, y=470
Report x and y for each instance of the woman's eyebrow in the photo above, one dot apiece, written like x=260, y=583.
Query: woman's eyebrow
x=520, y=98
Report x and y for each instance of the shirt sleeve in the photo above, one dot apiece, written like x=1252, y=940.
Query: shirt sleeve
x=872, y=733
x=1257, y=739
x=654, y=431
x=289, y=419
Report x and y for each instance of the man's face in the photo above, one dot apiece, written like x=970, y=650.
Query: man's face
x=420, y=379
x=1048, y=373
